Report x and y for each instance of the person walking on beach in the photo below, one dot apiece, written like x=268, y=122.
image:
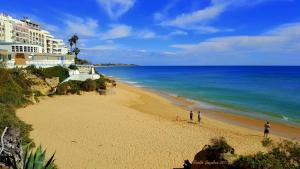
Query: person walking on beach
x=267, y=129
x=191, y=115
x=199, y=116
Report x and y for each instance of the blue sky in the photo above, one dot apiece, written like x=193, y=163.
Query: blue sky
x=173, y=32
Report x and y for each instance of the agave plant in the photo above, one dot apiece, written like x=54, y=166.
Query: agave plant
x=36, y=160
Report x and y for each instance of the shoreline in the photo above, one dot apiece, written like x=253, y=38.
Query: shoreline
x=126, y=128
x=283, y=130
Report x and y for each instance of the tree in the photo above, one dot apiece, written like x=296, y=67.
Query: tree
x=76, y=52
x=71, y=43
x=75, y=39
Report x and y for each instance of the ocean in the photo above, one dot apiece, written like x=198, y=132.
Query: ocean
x=266, y=92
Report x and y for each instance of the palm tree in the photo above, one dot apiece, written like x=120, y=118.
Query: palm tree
x=71, y=43
x=76, y=52
x=75, y=39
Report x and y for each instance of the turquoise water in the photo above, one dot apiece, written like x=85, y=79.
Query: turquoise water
x=262, y=91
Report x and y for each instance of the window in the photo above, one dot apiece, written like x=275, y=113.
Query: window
x=31, y=49
x=17, y=48
x=25, y=48
x=13, y=49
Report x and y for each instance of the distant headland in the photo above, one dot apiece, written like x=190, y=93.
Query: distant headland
x=113, y=65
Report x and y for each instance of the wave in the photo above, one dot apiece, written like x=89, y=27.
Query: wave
x=285, y=118
x=131, y=82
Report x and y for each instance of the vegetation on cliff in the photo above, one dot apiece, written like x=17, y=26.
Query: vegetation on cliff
x=56, y=71
x=20, y=87
x=15, y=92
x=76, y=87
x=280, y=155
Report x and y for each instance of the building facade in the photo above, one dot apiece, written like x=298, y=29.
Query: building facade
x=27, y=32
x=6, y=28
x=20, y=60
x=23, y=55
x=24, y=43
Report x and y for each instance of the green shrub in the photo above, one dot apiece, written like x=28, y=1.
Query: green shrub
x=284, y=155
x=266, y=142
x=257, y=161
x=89, y=85
x=56, y=71
x=62, y=89
x=288, y=153
x=72, y=86
x=218, y=148
x=14, y=87
x=8, y=118
x=73, y=67
x=100, y=83
x=36, y=71
x=81, y=61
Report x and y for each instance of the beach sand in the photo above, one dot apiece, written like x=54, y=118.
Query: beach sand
x=130, y=128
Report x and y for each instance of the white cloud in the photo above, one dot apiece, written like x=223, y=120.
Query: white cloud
x=140, y=57
x=116, y=32
x=116, y=8
x=143, y=51
x=196, y=17
x=178, y=33
x=146, y=34
x=89, y=28
x=100, y=47
x=86, y=27
x=169, y=53
x=160, y=15
x=200, y=20
x=50, y=27
x=281, y=41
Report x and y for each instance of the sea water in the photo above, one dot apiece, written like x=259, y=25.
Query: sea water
x=269, y=92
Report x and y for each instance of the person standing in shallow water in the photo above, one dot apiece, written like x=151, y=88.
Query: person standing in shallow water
x=199, y=116
x=191, y=115
x=267, y=129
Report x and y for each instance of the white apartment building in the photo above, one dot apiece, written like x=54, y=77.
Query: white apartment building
x=20, y=47
x=27, y=32
x=23, y=55
x=58, y=46
x=20, y=31
x=24, y=43
x=6, y=28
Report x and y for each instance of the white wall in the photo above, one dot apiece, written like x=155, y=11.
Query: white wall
x=8, y=47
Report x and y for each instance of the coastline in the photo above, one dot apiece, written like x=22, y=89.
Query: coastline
x=226, y=89
x=283, y=130
x=128, y=128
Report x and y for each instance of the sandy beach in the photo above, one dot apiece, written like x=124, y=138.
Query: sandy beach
x=128, y=128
